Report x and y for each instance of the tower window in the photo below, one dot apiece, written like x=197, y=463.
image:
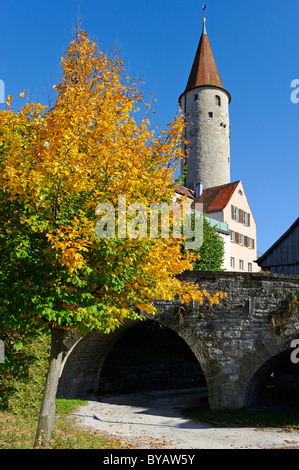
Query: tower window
x=210, y=114
x=195, y=97
x=218, y=100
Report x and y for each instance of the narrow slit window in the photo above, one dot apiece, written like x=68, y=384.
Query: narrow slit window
x=210, y=114
x=218, y=100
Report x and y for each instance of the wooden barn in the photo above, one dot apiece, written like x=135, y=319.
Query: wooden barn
x=283, y=256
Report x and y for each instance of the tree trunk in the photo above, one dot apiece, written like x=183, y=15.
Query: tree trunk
x=47, y=409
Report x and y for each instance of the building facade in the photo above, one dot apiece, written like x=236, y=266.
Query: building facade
x=283, y=256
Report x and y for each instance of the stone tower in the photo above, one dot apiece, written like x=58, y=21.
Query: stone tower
x=205, y=104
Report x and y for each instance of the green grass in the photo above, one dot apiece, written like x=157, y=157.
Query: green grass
x=18, y=432
x=287, y=420
x=277, y=410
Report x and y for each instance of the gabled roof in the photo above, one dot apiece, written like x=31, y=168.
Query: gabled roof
x=216, y=199
x=292, y=227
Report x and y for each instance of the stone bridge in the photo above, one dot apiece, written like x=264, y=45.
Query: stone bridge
x=233, y=342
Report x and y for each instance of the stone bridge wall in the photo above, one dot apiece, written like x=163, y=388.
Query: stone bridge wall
x=233, y=341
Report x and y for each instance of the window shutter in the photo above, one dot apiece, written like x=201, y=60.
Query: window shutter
x=245, y=240
x=241, y=215
x=232, y=212
x=248, y=219
x=236, y=237
x=252, y=242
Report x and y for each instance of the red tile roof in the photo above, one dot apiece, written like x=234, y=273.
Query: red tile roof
x=216, y=199
x=204, y=70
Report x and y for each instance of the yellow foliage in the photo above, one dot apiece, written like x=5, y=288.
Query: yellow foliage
x=91, y=147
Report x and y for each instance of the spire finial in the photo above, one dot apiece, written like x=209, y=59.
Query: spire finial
x=204, y=31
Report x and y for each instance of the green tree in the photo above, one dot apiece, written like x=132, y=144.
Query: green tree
x=211, y=251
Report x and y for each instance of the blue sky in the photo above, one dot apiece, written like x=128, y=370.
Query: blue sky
x=255, y=44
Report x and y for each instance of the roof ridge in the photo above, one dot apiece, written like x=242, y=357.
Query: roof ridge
x=279, y=239
x=217, y=197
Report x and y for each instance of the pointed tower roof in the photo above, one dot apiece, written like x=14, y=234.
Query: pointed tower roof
x=204, y=70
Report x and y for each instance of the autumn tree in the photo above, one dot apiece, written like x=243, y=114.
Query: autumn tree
x=56, y=165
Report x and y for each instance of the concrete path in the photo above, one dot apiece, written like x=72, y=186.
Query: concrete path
x=152, y=420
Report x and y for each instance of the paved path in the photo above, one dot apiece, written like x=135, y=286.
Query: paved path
x=153, y=420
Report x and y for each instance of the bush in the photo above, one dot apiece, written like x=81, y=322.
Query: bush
x=26, y=393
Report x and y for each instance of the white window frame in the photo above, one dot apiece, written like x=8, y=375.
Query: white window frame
x=249, y=267
x=241, y=265
x=232, y=262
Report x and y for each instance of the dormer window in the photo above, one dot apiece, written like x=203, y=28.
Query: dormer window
x=218, y=100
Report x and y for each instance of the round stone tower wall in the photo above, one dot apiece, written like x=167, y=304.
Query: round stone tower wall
x=208, y=133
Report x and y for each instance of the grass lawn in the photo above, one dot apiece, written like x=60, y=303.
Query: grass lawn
x=288, y=420
x=18, y=432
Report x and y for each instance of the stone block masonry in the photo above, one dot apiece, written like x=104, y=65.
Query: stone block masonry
x=208, y=134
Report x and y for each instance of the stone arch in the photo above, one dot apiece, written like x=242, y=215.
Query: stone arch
x=278, y=370
x=150, y=356
x=86, y=355
x=237, y=381
x=83, y=361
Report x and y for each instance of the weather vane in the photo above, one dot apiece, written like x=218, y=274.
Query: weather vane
x=203, y=12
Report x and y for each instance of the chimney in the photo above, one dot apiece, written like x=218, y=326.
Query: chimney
x=198, y=190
